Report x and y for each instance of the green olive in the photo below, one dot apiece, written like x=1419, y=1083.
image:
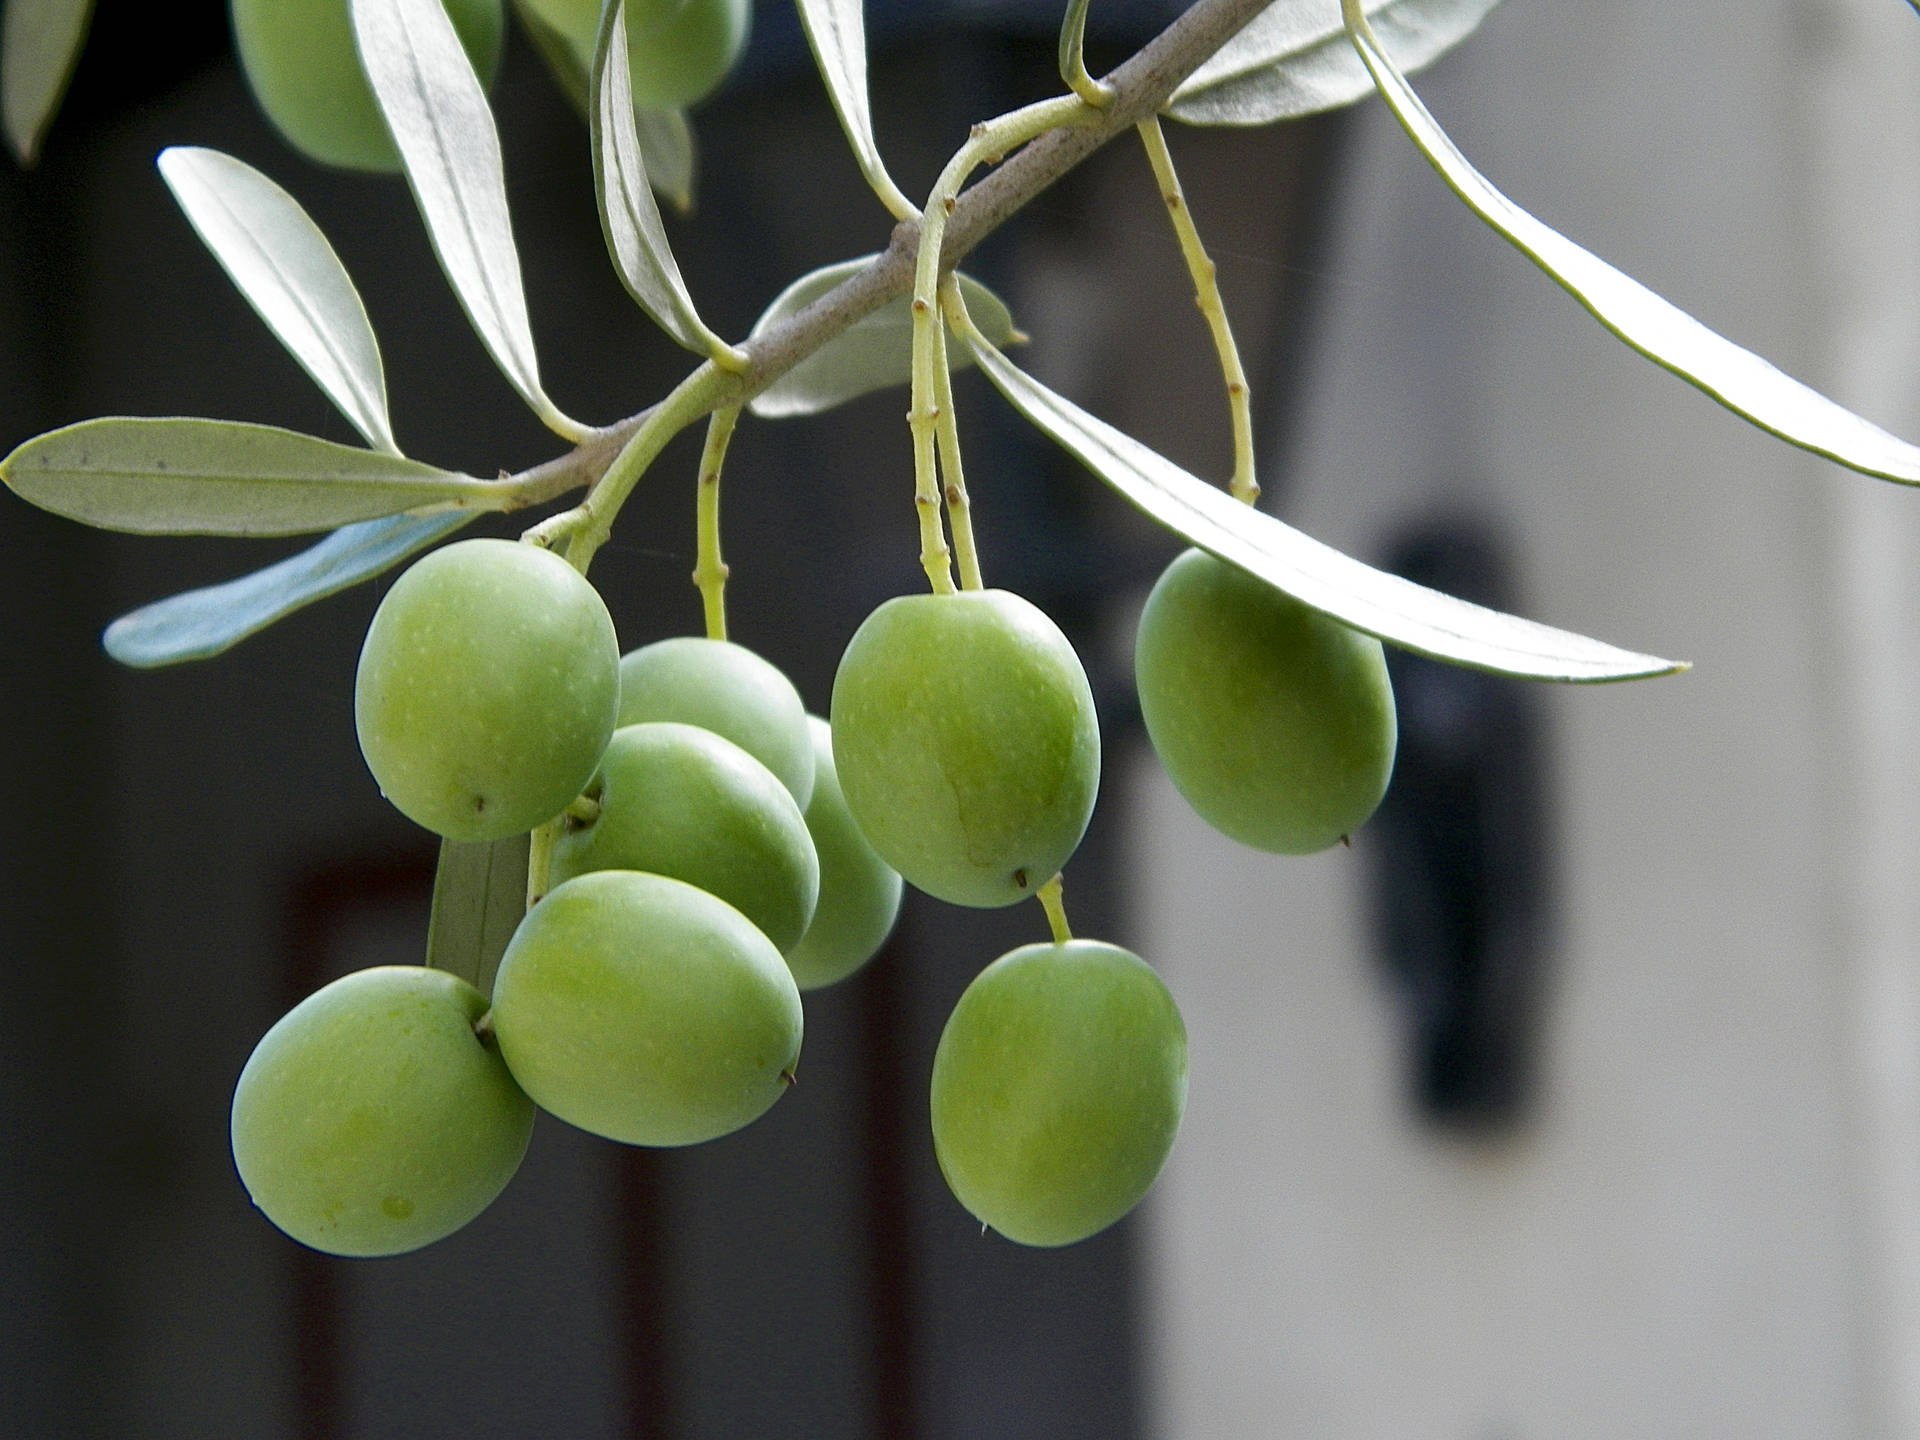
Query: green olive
x=680, y=50
x=967, y=746
x=1057, y=1090
x=1274, y=721
x=487, y=689
x=300, y=60
x=859, y=892
x=372, y=1120
x=727, y=689
x=646, y=1010
x=677, y=800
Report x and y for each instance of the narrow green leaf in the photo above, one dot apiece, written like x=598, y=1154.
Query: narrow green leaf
x=288, y=272
x=438, y=114
x=222, y=477
x=874, y=354
x=1740, y=380
x=631, y=221
x=200, y=624
x=1394, y=609
x=837, y=31
x=479, y=898
x=40, y=43
x=1293, y=59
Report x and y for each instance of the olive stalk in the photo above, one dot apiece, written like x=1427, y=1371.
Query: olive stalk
x=988, y=142
x=1053, y=901
x=947, y=427
x=1206, y=289
x=710, y=571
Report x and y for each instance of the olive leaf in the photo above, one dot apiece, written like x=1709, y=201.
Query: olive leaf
x=666, y=144
x=223, y=477
x=836, y=29
x=479, y=899
x=287, y=271
x=666, y=137
x=631, y=221
x=40, y=43
x=874, y=353
x=1294, y=59
x=1740, y=380
x=438, y=115
x=1388, y=606
x=199, y=624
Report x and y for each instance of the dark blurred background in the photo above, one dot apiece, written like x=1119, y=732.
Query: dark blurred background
x=186, y=853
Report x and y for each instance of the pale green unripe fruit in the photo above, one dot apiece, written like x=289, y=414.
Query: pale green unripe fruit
x=677, y=800
x=299, y=59
x=372, y=1120
x=727, y=689
x=1057, y=1090
x=1275, y=721
x=646, y=1010
x=859, y=892
x=680, y=50
x=487, y=689
x=966, y=741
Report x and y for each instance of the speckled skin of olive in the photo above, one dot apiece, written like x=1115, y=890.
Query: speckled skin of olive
x=1274, y=721
x=966, y=743
x=645, y=1010
x=859, y=892
x=677, y=800
x=299, y=58
x=487, y=689
x=1058, y=1089
x=371, y=1120
x=680, y=50
x=725, y=688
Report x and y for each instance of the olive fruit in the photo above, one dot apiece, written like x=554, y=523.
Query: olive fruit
x=677, y=800
x=487, y=689
x=859, y=892
x=680, y=50
x=1274, y=720
x=371, y=1119
x=1057, y=1090
x=300, y=60
x=646, y=1010
x=727, y=689
x=966, y=742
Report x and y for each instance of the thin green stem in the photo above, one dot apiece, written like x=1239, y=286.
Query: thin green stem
x=710, y=571
x=1206, y=290
x=1073, y=58
x=584, y=811
x=540, y=859
x=947, y=428
x=988, y=142
x=1052, y=898
x=585, y=528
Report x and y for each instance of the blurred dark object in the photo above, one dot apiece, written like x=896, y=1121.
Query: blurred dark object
x=1461, y=856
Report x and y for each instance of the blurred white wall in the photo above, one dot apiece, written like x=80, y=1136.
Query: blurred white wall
x=1713, y=1227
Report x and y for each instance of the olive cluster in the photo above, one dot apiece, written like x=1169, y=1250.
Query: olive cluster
x=718, y=851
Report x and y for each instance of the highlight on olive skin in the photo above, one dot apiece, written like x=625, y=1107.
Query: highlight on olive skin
x=301, y=64
x=1058, y=1088
x=967, y=744
x=1274, y=721
x=372, y=1119
x=487, y=689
